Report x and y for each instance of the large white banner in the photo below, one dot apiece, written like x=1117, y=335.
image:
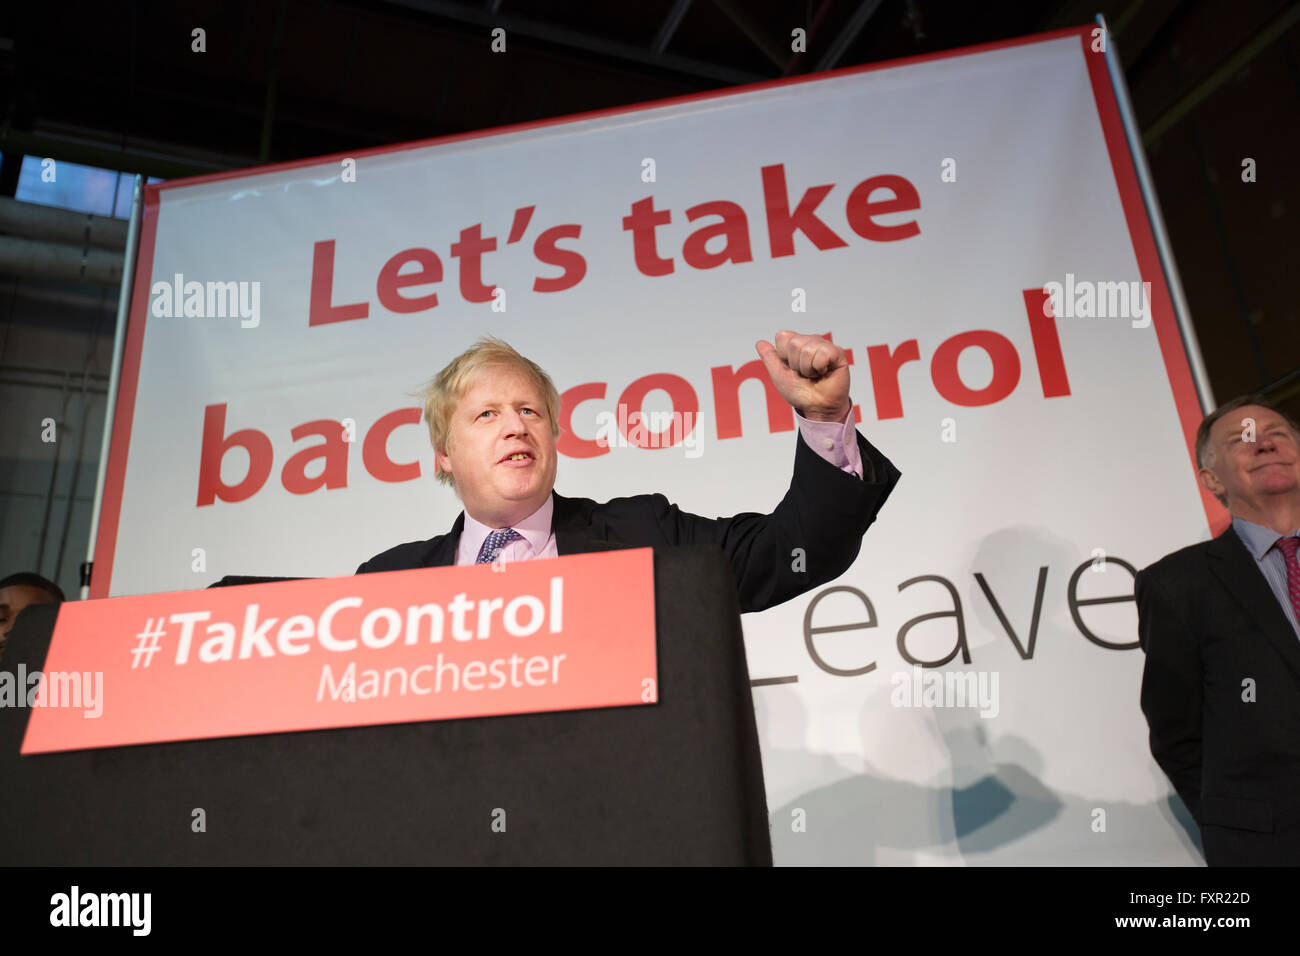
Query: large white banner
x=965, y=693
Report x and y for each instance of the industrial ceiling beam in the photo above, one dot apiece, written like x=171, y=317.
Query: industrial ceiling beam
x=273, y=78
x=756, y=34
x=669, y=26
x=52, y=224
x=1224, y=72
x=814, y=30
x=104, y=157
x=562, y=37
x=840, y=45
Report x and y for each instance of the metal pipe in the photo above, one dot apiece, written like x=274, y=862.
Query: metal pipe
x=561, y=36
x=81, y=451
x=1282, y=389
x=80, y=296
x=54, y=478
x=273, y=79
x=840, y=45
x=53, y=260
x=818, y=19
x=19, y=383
x=1154, y=216
x=753, y=31
x=669, y=26
x=1225, y=71
x=31, y=144
x=119, y=341
x=61, y=225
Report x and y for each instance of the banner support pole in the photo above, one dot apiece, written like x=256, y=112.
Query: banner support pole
x=1200, y=377
x=115, y=375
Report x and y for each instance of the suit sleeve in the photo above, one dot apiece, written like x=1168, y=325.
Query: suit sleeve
x=1171, y=688
x=812, y=536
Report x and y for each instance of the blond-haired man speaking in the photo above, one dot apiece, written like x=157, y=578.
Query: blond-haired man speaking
x=493, y=418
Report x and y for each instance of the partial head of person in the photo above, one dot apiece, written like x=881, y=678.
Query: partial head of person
x=493, y=418
x=18, y=591
x=1248, y=456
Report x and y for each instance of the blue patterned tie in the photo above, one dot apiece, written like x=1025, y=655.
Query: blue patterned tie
x=495, y=543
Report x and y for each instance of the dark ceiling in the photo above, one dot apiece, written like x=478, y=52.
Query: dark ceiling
x=285, y=79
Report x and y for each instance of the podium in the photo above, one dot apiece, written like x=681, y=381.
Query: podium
x=678, y=782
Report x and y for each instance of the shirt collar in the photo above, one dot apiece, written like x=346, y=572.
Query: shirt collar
x=535, y=529
x=1256, y=537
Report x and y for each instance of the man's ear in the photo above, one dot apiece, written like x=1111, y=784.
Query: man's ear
x=442, y=461
x=1209, y=482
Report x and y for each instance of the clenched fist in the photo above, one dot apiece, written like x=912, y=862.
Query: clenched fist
x=811, y=374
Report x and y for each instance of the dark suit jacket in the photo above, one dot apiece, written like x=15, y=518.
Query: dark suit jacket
x=825, y=512
x=1208, y=621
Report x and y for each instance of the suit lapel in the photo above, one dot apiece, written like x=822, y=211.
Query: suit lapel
x=571, y=523
x=1234, y=566
x=443, y=552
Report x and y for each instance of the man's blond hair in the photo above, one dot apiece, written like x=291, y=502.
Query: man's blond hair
x=448, y=387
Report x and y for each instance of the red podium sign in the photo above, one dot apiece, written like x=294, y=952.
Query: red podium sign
x=432, y=644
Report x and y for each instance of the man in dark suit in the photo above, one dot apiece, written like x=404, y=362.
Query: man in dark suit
x=493, y=418
x=1218, y=623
